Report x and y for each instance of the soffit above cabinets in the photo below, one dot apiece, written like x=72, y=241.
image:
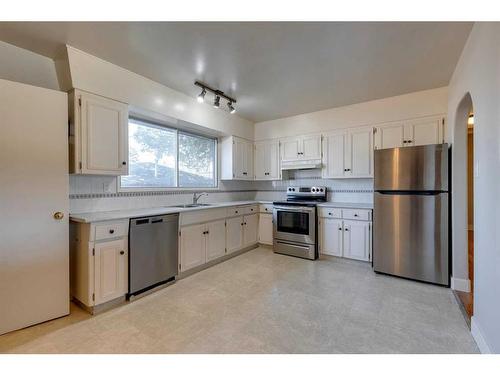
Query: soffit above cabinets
x=274, y=69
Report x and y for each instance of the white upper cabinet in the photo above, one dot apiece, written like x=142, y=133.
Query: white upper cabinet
x=418, y=132
x=348, y=153
x=290, y=149
x=301, y=148
x=236, y=159
x=424, y=132
x=98, y=135
x=266, y=160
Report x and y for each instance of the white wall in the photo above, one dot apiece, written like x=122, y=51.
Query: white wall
x=92, y=74
x=413, y=105
x=478, y=73
x=20, y=65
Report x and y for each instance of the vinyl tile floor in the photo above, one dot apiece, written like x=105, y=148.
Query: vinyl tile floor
x=261, y=302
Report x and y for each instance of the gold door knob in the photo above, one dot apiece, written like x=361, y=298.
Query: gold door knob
x=58, y=215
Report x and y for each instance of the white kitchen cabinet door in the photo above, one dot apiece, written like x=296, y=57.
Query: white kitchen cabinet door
x=331, y=236
x=192, y=248
x=239, y=155
x=266, y=160
x=260, y=160
x=290, y=149
x=110, y=270
x=310, y=147
x=266, y=229
x=424, y=132
x=248, y=158
x=104, y=135
x=234, y=234
x=334, y=155
x=250, y=229
x=215, y=239
x=359, y=158
x=357, y=240
x=390, y=136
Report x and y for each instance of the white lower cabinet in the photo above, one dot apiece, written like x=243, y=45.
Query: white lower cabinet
x=216, y=239
x=250, y=229
x=357, y=240
x=234, y=233
x=192, y=247
x=98, y=262
x=344, y=237
x=110, y=270
x=331, y=235
x=266, y=229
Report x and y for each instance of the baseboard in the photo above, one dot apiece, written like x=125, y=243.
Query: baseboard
x=462, y=285
x=477, y=334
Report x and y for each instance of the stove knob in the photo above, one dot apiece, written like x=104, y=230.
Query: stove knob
x=293, y=189
x=313, y=190
x=321, y=190
x=289, y=189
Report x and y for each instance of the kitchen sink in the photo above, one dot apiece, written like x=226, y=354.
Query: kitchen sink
x=192, y=205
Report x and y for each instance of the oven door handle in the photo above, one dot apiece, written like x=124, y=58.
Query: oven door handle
x=294, y=209
x=293, y=245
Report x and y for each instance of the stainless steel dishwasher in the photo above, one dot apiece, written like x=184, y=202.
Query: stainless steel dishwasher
x=152, y=252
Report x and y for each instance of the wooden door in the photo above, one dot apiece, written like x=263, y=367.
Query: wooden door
x=192, y=249
x=250, y=229
x=110, y=270
x=357, y=240
x=266, y=229
x=34, y=261
x=215, y=239
x=359, y=159
x=104, y=128
x=331, y=237
x=234, y=234
x=334, y=155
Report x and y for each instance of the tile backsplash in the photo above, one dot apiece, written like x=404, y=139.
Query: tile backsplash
x=99, y=193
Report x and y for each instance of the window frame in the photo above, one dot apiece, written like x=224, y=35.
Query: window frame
x=125, y=189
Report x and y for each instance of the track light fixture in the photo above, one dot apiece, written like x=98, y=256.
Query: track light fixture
x=218, y=94
x=230, y=107
x=201, y=97
x=217, y=101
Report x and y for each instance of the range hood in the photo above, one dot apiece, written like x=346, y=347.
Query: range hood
x=301, y=164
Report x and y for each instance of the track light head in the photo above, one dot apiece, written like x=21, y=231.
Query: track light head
x=201, y=97
x=230, y=107
x=217, y=101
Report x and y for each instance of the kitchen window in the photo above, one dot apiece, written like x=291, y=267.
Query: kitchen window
x=161, y=157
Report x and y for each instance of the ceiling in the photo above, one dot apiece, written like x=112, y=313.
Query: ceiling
x=274, y=69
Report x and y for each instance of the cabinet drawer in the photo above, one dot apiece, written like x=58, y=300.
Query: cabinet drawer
x=335, y=213
x=266, y=208
x=353, y=214
x=104, y=231
x=202, y=216
x=248, y=210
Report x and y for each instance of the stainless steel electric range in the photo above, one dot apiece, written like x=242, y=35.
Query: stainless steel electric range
x=295, y=221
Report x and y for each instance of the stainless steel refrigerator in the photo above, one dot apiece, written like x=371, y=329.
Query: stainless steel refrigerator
x=410, y=218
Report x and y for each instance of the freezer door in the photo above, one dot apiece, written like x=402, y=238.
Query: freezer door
x=412, y=168
x=410, y=236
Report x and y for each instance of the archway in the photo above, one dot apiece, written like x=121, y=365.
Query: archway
x=462, y=204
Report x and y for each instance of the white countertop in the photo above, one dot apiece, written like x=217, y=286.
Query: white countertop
x=90, y=217
x=347, y=205
x=140, y=212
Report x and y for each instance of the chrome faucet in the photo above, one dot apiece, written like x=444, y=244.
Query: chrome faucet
x=196, y=197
